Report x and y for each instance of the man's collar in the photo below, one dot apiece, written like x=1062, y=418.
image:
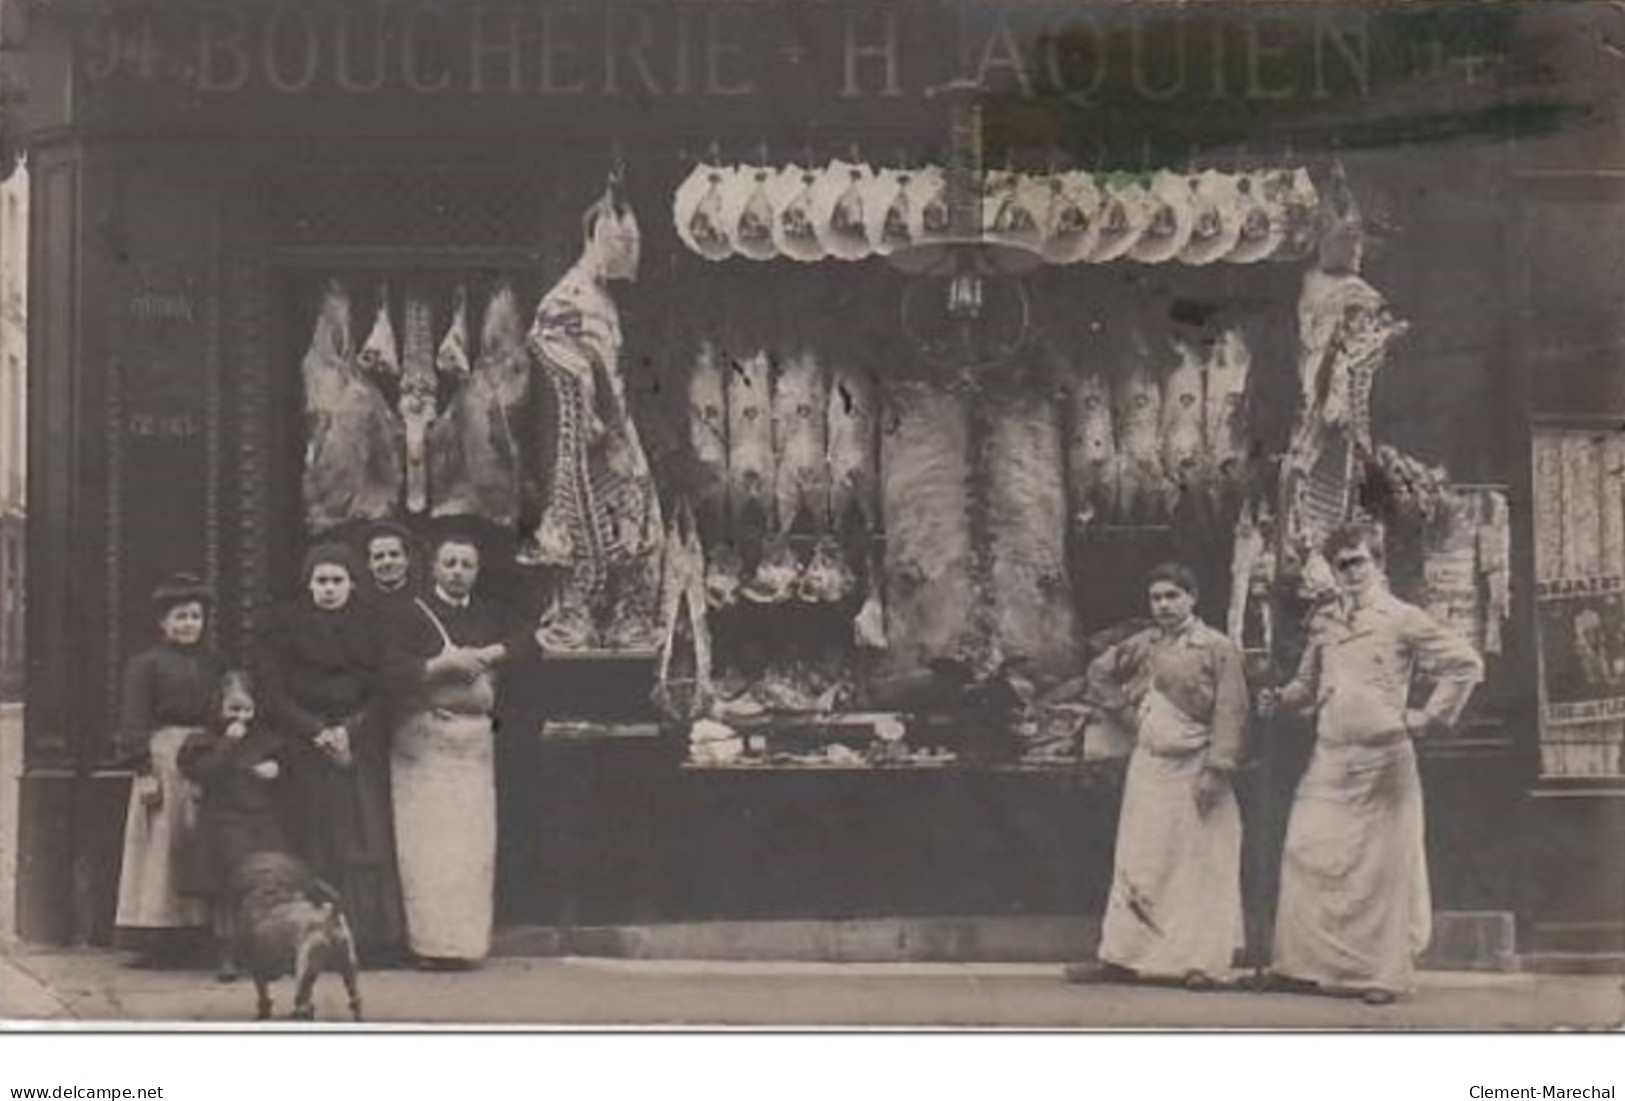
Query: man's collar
x=449, y=600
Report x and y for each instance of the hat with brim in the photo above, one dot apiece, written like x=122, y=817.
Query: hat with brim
x=1217, y=224
x=1173, y=217
x=1072, y=226
x=1124, y=213
x=181, y=588
x=794, y=234
x=1261, y=227
x=697, y=211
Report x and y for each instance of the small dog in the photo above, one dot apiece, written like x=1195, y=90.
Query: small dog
x=288, y=922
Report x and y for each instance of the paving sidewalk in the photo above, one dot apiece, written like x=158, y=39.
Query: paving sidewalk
x=97, y=987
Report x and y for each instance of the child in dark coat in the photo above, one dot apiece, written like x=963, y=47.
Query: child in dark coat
x=234, y=765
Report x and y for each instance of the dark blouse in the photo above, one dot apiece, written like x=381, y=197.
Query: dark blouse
x=168, y=685
x=224, y=768
x=321, y=668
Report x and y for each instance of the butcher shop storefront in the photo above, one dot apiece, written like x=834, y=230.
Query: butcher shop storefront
x=914, y=334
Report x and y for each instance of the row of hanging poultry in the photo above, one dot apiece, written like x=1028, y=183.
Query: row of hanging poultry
x=849, y=211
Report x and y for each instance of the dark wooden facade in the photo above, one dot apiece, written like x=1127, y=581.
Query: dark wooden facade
x=183, y=160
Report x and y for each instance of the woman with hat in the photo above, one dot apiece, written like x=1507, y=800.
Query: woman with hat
x=169, y=695
x=323, y=679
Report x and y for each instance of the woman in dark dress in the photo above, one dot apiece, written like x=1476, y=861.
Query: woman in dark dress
x=323, y=682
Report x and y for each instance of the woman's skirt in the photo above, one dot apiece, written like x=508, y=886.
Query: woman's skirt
x=158, y=844
x=1175, y=904
x=1355, y=908
x=443, y=782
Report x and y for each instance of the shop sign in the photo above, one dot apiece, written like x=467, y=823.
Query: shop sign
x=1086, y=54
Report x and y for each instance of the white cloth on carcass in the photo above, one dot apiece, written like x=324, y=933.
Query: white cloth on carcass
x=752, y=227
x=1014, y=209
x=1300, y=215
x=794, y=234
x=1125, y=213
x=697, y=212
x=800, y=437
x=1263, y=218
x=1172, y=218
x=1071, y=218
x=682, y=590
x=838, y=210
x=418, y=394
x=1032, y=593
x=354, y=453
x=888, y=211
x=474, y=454
x=708, y=438
x=924, y=462
x=1219, y=213
x=928, y=203
x=851, y=423
x=381, y=352
x=750, y=452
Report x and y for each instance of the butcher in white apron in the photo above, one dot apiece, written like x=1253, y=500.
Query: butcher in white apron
x=445, y=648
x=1354, y=907
x=1174, y=911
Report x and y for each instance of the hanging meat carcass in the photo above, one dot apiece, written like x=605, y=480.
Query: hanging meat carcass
x=381, y=353
x=475, y=459
x=1137, y=397
x=708, y=438
x=1172, y=219
x=794, y=234
x=924, y=462
x=1182, y=416
x=451, y=359
x=1032, y=597
x=852, y=420
x=683, y=604
x=753, y=230
x=801, y=466
x=750, y=453
x=601, y=521
x=697, y=211
x=353, y=450
x=1091, y=451
x=1228, y=367
x=419, y=388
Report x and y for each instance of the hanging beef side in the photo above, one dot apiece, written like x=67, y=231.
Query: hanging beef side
x=801, y=471
x=474, y=459
x=354, y=450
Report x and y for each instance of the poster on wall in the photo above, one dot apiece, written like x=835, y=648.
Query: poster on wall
x=1582, y=648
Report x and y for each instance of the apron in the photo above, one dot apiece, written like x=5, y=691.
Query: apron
x=443, y=784
x=158, y=842
x=1175, y=903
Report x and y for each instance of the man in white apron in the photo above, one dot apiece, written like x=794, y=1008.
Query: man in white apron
x=446, y=646
x=1174, y=912
x=1354, y=908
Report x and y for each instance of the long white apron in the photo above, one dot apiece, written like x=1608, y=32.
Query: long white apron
x=157, y=841
x=1175, y=903
x=1355, y=908
x=443, y=786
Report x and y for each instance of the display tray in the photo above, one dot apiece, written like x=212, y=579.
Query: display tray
x=767, y=765
x=585, y=730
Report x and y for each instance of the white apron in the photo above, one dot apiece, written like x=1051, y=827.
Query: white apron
x=157, y=842
x=443, y=786
x=1355, y=908
x=1175, y=904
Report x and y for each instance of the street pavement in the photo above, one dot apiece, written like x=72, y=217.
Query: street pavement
x=98, y=989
